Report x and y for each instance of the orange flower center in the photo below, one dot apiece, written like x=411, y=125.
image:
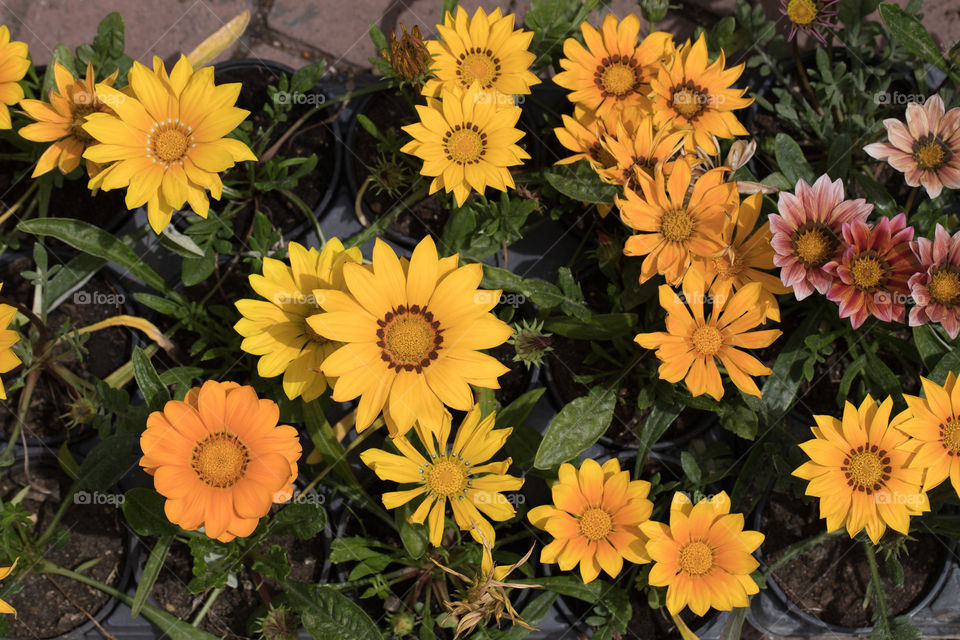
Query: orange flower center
x=866, y=468
x=465, y=144
x=707, y=340
x=446, y=477
x=869, y=271
x=689, y=100
x=595, y=524
x=727, y=269
x=802, y=12
x=617, y=76
x=169, y=141
x=930, y=152
x=945, y=285
x=950, y=436
x=676, y=225
x=220, y=460
x=696, y=558
x=601, y=156
x=480, y=65
x=813, y=244
x=409, y=338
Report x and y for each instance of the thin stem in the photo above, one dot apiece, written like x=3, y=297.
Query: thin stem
x=393, y=576
x=910, y=199
x=206, y=607
x=882, y=612
x=22, y=408
x=804, y=80
x=16, y=205
x=353, y=445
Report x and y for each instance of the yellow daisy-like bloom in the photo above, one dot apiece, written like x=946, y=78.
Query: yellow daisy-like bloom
x=639, y=148
x=466, y=142
x=614, y=71
x=676, y=227
x=8, y=338
x=460, y=474
x=220, y=459
x=747, y=252
x=696, y=97
x=13, y=66
x=580, y=133
x=276, y=328
x=692, y=344
x=166, y=141
x=934, y=426
x=703, y=556
x=484, y=49
x=4, y=573
x=61, y=121
x=595, y=519
x=859, y=469
x=411, y=332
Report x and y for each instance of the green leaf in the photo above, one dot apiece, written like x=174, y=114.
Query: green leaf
x=303, y=518
x=733, y=627
x=580, y=182
x=605, y=326
x=791, y=160
x=877, y=194
x=151, y=569
x=780, y=388
x=576, y=428
x=106, y=463
x=517, y=411
x=196, y=270
x=930, y=347
x=64, y=56
x=658, y=421
x=158, y=303
x=532, y=614
x=881, y=375
x=838, y=158
x=570, y=586
x=740, y=420
x=143, y=510
x=80, y=269
x=908, y=32
x=179, y=243
x=690, y=467
x=949, y=362
x=109, y=39
x=322, y=436
x=376, y=36
x=97, y=242
x=413, y=536
x=326, y=613
x=154, y=391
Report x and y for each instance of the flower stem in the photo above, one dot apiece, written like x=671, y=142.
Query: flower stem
x=910, y=199
x=206, y=607
x=804, y=80
x=883, y=614
x=16, y=205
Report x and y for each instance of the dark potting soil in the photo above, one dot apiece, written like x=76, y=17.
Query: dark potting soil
x=515, y=382
x=50, y=606
x=656, y=624
x=106, y=349
x=312, y=138
x=830, y=580
x=389, y=111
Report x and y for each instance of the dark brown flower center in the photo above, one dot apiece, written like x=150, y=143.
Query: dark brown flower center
x=409, y=338
x=618, y=76
x=930, y=152
x=866, y=469
x=465, y=144
x=950, y=436
x=689, y=100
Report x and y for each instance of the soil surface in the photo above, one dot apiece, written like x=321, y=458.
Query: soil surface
x=50, y=606
x=829, y=581
x=515, y=382
x=656, y=624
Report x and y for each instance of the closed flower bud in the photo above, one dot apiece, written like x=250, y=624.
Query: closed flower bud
x=408, y=55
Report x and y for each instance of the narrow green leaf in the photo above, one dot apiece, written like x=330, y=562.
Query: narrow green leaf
x=604, y=326
x=658, y=421
x=143, y=510
x=580, y=182
x=532, y=614
x=576, y=428
x=322, y=436
x=151, y=569
x=908, y=32
x=791, y=160
x=154, y=391
x=517, y=411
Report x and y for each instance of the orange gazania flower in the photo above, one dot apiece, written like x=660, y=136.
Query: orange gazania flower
x=220, y=459
x=703, y=555
x=934, y=426
x=8, y=338
x=61, y=121
x=613, y=72
x=4, y=572
x=580, y=133
x=692, y=344
x=13, y=66
x=638, y=147
x=595, y=519
x=859, y=469
x=696, y=96
x=676, y=227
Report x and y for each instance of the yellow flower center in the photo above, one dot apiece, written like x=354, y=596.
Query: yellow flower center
x=707, y=339
x=950, y=436
x=802, y=12
x=465, y=144
x=930, y=152
x=446, y=477
x=617, y=76
x=945, y=285
x=595, y=524
x=866, y=468
x=869, y=271
x=727, y=269
x=169, y=141
x=689, y=100
x=220, y=460
x=696, y=558
x=676, y=225
x=814, y=244
x=480, y=65
x=409, y=338
x=80, y=113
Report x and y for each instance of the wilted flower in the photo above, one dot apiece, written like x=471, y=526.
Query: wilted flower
x=408, y=54
x=809, y=16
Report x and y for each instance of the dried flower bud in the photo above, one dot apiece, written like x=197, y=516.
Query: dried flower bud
x=408, y=55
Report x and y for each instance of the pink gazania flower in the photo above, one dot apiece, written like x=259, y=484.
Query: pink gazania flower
x=935, y=288
x=806, y=234
x=809, y=16
x=872, y=273
x=926, y=149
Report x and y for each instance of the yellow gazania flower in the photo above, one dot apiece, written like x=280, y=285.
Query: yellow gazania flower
x=614, y=71
x=220, y=459
x=692, y=345
x=676, y=227
x=4, y=572
x=703, y=556
x=595, y=519
x=166, y=141
x=580, y=133
x=638, y=148
x=13, y=66
x=696, y=97
x=276, y=328
x=484, y=49
x=741, y=262
x=934, y=426
x=466, y=143
x=460, y=474
x=411, y=335
x=8, y=338
x=61, y=121
x=859, y=469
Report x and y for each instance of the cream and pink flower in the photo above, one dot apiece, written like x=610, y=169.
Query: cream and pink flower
x=806, y=234
x=935, y=287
